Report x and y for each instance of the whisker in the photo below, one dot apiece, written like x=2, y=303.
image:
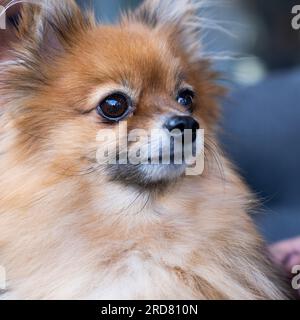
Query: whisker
x=212, y=149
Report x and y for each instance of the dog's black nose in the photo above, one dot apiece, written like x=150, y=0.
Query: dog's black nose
x=183, y=123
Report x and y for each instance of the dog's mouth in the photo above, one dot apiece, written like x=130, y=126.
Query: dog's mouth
x=147, y=176
x=150, y=172
x=152, y=163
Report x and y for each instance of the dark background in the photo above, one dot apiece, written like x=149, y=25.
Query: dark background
x=261, y=65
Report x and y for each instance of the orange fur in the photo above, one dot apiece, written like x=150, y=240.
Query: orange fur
x=66, y=229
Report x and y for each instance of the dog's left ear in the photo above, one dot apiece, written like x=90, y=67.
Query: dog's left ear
x=177, y=18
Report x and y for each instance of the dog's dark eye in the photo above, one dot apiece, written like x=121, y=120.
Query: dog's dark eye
x=115, y=107
x=186, y=98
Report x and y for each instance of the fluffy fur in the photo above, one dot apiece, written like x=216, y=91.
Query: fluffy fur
x=67, y=229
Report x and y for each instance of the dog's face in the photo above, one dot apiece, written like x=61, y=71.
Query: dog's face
x=79, y=83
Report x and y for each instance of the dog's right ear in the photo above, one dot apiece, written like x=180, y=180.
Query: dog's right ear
x=44, y=30
x=52, y=22
x=44, y=27
x=7, y=24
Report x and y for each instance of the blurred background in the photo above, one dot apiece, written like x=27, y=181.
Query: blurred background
x=259, y=54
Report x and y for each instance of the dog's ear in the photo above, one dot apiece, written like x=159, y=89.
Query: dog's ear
x=43, y=31
x=45, y=27
x=7, y=22
x=178, y=18
x=47, y=22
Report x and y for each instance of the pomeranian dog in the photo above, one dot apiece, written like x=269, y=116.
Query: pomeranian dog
x=74, y=228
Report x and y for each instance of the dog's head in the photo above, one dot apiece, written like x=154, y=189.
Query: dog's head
x=71, y=82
